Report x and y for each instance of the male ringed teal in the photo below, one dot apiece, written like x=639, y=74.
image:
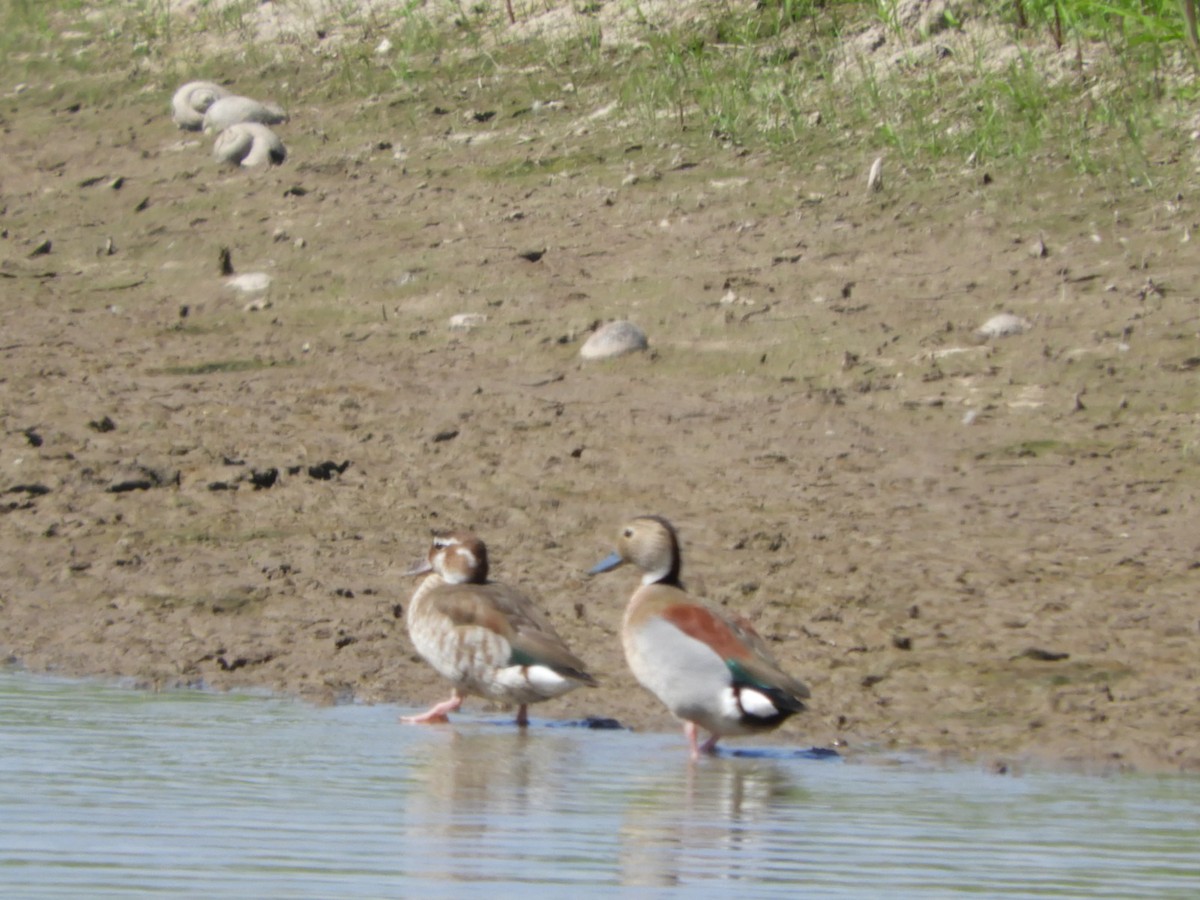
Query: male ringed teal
x=712, y=670
x=486, y=638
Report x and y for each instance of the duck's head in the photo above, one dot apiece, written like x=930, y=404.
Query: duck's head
x=459, y=557
x=650, y=543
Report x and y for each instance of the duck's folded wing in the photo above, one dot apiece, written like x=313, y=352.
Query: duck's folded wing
x=746, y=654
x=511, y=614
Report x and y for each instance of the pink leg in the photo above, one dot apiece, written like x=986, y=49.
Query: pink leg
x=523, y=715
x=710, y=746
x=436, y=714
x=692, y=730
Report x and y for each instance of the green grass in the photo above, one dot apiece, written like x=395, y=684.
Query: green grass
x=541, y=166
x=740, y=88
x=1100, y=78
x=31, y=43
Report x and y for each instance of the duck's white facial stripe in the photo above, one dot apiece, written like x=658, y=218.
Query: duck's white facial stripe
x=656, y=575
x=456, y=563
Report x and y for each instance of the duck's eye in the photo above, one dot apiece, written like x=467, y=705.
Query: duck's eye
x=628, y=532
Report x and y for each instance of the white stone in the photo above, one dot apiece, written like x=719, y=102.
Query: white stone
x=466, y=321
x=875, y=175
x=227, y=111
x=192, y=101
x=249, y=144
x=1003, y=325
x=614, y=339
x=249, y=283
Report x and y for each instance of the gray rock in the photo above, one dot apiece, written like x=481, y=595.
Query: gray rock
x=249, y=282
x=467, y=321
x=249, y=144
x=192, y=101
x=227, y=111
x=614, y=339
x=1003, y=325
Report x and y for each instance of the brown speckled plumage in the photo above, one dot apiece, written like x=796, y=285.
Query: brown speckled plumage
x=486, y=638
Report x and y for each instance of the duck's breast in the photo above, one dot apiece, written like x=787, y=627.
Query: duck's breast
x=685, y=673
x=465, y=654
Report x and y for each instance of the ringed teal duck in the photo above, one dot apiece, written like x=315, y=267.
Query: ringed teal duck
x=712, y=670
x=486, y=638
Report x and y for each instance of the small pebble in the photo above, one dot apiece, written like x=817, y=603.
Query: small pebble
x=875, y=175
x=1003, y=325
x=249, y=283
x=467, y=321
x=614, y=339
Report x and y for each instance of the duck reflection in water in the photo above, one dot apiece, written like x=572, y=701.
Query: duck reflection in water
x=477, y=794
x=702, y=821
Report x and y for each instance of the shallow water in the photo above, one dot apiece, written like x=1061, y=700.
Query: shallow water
x=109, y=792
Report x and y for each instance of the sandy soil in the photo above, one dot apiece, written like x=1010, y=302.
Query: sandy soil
x=978, y=549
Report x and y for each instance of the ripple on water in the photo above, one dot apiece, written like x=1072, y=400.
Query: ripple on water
x=110, y=792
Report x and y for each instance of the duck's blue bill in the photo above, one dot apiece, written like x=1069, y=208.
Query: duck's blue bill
x=420, y=567
x=606, y=565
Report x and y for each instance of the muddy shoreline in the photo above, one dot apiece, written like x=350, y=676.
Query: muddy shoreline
x=970, y=548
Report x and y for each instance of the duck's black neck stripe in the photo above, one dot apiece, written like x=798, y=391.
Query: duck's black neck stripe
x=672, y=576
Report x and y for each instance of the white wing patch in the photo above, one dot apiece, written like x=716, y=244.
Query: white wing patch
x=730, y=708
x=539, y=680
x=755, y=704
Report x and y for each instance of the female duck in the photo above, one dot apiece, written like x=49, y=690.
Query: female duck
x=486, y=638
x=711, y=670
